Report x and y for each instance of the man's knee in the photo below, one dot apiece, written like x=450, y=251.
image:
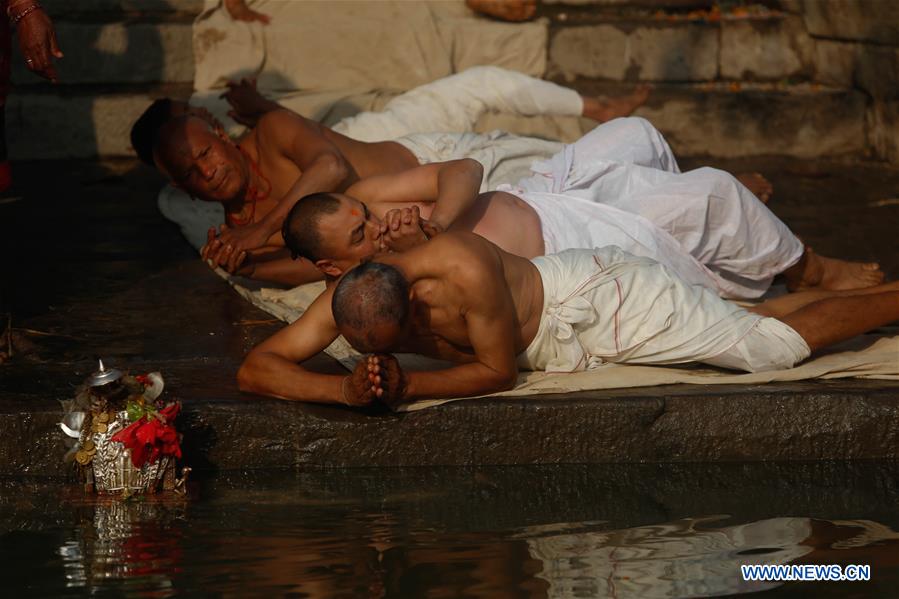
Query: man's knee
x=716, y=181
x=770, y=345
x=638, y=126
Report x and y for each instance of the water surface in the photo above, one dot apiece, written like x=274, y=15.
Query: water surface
x=562, y=531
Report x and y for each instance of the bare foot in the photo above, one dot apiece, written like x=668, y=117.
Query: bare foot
x=506, y=10
x=757, y=184
x=819, y=272
x=604, y=109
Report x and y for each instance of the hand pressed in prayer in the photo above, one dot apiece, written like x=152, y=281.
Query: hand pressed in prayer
x=37, y=40
x=401, y=229
x=391, y=380
x=240, y=240
x=239, y=11
x=217, y=253
x=361, y=387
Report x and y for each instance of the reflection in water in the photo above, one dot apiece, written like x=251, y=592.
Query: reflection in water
x=367, y=536
x=676, y=559
x=142, y=546
x=124, y=540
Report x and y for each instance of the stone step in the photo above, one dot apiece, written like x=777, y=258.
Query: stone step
x=803, y=121
x=722, y=120
x=875, y=21
x=122, y=52
x=132, y=47
x=77, y=122
x=769, y=48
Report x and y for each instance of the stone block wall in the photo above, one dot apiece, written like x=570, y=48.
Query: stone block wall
x=804, y=78
x=858, y=46
x=799, y=77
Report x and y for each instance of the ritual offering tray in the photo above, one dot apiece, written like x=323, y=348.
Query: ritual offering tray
x=122, y=433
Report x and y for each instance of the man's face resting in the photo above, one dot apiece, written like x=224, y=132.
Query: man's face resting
x=349, y=235
x=202, y=163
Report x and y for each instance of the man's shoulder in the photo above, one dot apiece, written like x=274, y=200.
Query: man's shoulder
x=277, y=121
x=318, y=311
x=464, y=245
x=456, y=255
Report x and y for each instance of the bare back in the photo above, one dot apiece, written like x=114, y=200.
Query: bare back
x=458, y=275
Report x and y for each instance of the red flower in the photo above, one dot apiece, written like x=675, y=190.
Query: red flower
x=150, y=438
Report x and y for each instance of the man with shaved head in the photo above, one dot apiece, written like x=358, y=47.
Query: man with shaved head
x=461, y=298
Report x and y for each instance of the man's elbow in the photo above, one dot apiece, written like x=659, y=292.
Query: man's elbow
x=506, y=380
x=246, y=375
x=474, y=168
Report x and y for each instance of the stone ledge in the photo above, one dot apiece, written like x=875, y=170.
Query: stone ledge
x=775, y=422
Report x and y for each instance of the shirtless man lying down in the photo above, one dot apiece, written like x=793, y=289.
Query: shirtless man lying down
x=703, y=224
x=462, y=299
x=623, y=171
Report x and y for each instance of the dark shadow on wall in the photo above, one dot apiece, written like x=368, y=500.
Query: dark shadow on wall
x=109, y=55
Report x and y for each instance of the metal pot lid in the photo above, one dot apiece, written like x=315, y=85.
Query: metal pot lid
x=103, y=376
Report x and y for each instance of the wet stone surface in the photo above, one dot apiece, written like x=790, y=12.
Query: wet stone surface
x=91, y=269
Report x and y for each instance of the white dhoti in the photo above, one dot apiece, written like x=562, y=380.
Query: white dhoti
x=569, y=222
x=627, y=164
x=604, y=305
x=456, y=103
x=435, y=121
